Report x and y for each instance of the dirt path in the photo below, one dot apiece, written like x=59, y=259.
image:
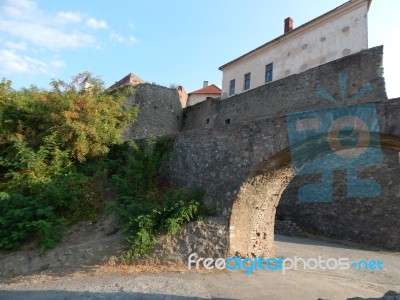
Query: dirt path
x=106, y=283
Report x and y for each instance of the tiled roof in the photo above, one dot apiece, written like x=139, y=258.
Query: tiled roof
x=128, y=80
x=210, y=89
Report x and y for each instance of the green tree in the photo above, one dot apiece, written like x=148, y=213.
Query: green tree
x=82, y=122
x=44, y=135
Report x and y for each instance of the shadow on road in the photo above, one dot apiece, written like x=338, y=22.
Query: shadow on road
x=62, y=295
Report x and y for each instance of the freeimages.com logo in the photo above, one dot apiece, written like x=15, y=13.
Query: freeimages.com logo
x=344, y=138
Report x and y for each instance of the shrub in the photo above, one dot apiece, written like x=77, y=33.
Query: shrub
x=41, y=211
x=146, y=202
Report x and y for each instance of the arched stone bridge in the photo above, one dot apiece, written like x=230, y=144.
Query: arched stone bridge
x=247, y=167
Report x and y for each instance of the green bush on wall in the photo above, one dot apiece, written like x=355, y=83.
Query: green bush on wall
x=146, y=202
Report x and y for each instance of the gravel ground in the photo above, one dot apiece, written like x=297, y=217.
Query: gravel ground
x=106, y=283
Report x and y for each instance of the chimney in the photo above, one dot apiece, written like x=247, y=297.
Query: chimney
x=288, y=25
x=205, y=83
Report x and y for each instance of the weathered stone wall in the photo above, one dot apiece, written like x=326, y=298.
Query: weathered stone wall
x=237, y=150
x=220, y=159
x=295, y=93
x=223, y=160
x=160, y=112
x=374, y=221
x=207, y=238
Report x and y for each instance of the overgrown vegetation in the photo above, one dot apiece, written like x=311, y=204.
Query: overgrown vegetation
x=59, y=148
x=147, y=203
x=43, y=136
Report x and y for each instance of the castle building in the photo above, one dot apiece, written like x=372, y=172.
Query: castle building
x=333, y=35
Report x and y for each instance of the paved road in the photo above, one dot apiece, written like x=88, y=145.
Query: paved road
x=294, y=284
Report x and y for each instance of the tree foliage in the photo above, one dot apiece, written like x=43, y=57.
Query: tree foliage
x=82, y=123
x=44, y=134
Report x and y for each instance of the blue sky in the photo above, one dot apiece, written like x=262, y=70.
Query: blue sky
x=178, y=41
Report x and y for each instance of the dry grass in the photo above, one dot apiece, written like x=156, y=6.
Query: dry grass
x=114, y=265
x=122, y=268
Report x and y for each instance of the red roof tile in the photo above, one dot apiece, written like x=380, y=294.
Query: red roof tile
x=211, y=89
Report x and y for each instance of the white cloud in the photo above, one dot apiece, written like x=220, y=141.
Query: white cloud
x=115, y=36
x=23, y=20
x=24, y=4
x=46, y=36
x=18, y=8
x=96, y=24
x=16, y=46
x=57, y=63
x=12, y=62
x=69, y=17
x=29, y=34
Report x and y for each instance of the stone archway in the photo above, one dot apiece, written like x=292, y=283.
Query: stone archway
x=252, y=219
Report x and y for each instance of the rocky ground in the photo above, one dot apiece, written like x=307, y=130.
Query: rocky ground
x=84, y=244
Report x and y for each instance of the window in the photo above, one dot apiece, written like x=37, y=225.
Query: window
x=268, y=73
x=232, y=87
x=246, y=81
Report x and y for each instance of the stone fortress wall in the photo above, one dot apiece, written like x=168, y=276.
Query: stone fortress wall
x=237, y=150
x=295, y=93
